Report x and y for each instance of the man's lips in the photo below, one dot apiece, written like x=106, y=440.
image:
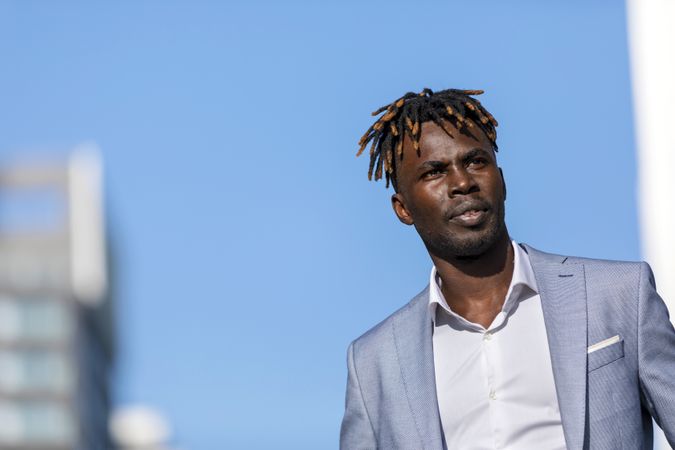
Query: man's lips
x=470, y=213
x=470, y=218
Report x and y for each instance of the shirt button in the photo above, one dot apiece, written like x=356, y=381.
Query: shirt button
x=487, y=336
x=493, y=395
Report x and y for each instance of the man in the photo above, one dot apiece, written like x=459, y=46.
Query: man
x=507, y=347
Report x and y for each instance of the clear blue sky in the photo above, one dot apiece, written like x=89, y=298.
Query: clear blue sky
x=250, y=247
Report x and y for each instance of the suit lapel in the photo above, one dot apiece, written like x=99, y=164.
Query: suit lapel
x=562, y=288
x=414, y=347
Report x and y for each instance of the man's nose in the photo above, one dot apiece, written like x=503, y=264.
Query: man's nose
x=461, y=182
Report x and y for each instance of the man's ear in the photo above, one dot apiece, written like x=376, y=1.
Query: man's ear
x=503, y=182
x=398, y=204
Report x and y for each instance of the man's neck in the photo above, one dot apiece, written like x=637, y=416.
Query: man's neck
x=476, y=287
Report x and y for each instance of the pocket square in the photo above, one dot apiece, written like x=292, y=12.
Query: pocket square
x=602, y=344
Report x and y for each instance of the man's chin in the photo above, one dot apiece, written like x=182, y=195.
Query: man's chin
x=472, y=249
x=472, y=246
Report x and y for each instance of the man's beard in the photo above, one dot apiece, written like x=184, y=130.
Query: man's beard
x=475, y=244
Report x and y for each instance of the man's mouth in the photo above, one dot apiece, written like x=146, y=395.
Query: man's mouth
x=471, y=218
x=470, y=214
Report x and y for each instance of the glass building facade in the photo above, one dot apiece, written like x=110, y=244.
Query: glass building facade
x=56, y=340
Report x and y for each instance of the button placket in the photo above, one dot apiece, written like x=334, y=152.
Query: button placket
x=489, y=347
x=487, y=337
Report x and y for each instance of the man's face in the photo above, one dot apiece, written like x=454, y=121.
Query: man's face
x=453, y=192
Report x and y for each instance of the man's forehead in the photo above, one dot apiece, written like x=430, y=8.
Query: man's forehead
x=435, y=139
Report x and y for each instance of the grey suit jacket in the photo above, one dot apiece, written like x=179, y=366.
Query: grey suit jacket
x=606, y=397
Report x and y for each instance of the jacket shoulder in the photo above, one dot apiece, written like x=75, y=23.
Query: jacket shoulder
x=538, y=256
x=607, y=278
x=382, y=332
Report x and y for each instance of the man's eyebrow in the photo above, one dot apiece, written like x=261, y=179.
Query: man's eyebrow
x=426, y=165
x=474, y=152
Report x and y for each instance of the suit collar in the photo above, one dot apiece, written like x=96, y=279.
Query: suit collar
x=562, y=289
x=414, y=349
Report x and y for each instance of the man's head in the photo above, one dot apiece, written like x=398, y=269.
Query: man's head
x=404, y=117
x=439, y=153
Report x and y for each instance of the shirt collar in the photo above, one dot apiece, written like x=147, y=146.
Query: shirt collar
x=522, y=283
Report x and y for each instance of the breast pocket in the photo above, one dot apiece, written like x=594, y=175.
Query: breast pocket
x=613, y=398
x=605, y=354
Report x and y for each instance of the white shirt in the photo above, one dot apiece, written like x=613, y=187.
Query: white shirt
x=495, y=386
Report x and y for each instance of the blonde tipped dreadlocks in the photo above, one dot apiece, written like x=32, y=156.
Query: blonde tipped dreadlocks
x=406, y=115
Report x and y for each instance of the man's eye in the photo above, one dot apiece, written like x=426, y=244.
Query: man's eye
x=433, y=173
x=477, y=162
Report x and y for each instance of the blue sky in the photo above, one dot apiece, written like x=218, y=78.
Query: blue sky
x=250, y=247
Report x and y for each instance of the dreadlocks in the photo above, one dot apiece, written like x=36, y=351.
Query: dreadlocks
x=405, y=116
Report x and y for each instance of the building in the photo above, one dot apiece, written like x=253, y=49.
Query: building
x=56, y=322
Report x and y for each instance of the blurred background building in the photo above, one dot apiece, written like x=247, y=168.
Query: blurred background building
x=56, y=321
x=652, y=51
x=139, y=427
